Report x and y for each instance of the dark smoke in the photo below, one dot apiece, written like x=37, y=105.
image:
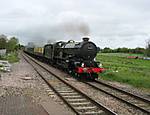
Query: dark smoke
x=48, y=33
x=75, y=28
x=84, y=29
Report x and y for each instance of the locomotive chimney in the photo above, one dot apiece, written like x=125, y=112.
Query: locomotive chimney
x=85, y=39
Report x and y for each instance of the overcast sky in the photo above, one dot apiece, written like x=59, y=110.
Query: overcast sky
x=110, y=23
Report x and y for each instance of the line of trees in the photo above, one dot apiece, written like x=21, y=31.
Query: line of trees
x=10, y=45
x=137, y=50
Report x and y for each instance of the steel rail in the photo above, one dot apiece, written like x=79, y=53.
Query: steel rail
x=123, y=91
x=117, y=97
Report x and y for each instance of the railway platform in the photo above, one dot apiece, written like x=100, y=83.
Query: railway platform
x=23, y=105
x=20, y=105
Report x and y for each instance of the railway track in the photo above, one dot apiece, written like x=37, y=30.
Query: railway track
x=130, y=99
x=79, y=102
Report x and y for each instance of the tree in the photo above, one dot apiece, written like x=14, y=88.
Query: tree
x=107, y=50
x=147, y=52
x=12, y=44
x=3, y=42
x=123, y=50
x=139, y=50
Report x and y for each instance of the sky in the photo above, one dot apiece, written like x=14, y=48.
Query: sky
x=109, y=23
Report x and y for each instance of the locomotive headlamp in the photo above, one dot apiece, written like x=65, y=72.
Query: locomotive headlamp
x=82, y=65
x=100, y=65
x=85, y=69
x=67, y=61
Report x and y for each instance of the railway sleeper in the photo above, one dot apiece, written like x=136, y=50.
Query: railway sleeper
x=51, y=93
x=146, y=108
x=71, y=93
x=77, y=100
x=62, y=89
x=93, y=113
x=133, y=101
x=80, y=103
x=143, y=105
x=72, y=96
x=124, y=96
x=86, y=108
x=66, y=91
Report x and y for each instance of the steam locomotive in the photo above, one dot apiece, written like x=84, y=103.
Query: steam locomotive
x=77, y=58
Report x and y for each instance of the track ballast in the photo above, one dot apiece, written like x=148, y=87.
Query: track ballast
x=74, y=98
x=130, y=99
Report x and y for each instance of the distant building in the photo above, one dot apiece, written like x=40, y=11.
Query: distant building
x=30, y=45
x=2, y=52
x=3, y=36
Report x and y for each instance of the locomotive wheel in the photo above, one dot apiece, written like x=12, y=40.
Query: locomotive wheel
x=78, y=76
x=94, y=76
x=73, y=73
x=82, y=76
x=85, y=76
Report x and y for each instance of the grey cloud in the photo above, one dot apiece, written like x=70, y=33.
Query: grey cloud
x=60, y=30
x=110, y=23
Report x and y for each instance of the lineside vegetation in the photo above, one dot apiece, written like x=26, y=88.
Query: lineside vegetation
x=11, y=46
x=12, y=57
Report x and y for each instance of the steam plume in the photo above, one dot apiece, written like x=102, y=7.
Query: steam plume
x=72, y=28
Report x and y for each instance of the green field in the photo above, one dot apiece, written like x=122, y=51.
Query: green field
x=135, y=72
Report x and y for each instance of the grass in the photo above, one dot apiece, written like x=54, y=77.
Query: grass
x=11, y=57
x=135, y=72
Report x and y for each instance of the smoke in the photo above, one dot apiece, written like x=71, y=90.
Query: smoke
x=84, y=29
x=73, y=25
x=75, y=28
x=64, y=27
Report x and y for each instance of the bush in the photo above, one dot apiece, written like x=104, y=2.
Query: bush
x=11, y=57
